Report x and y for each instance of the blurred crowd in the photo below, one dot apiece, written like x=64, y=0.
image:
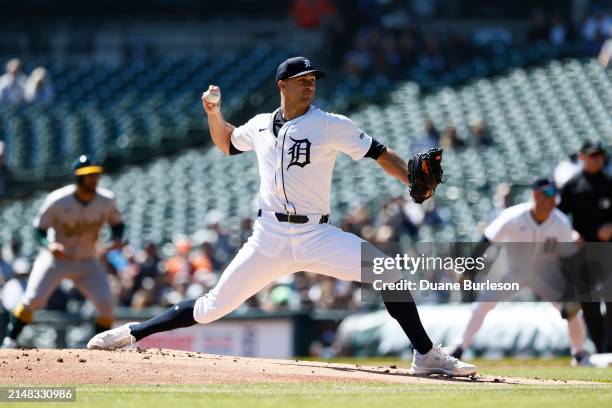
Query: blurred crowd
x=450, y=138
x=16, y=87
x=385, y=39
x=189, y=266
x=4, y=171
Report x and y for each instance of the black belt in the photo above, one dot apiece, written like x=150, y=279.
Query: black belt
x=296, y=219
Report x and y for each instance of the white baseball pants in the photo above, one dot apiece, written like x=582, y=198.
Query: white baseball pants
x=276, y=249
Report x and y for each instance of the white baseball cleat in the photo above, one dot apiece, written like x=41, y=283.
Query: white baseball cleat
x=9, y=343
x=437, y=361
x=113, y=339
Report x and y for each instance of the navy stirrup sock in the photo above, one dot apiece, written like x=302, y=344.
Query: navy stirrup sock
x=407, y=316
x=179, y=315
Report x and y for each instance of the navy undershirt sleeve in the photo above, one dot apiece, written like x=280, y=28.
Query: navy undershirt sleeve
x=376, y=149
x=233, y=150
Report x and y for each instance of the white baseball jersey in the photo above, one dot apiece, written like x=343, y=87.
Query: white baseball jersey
x=74, y=224
x=296, y=171
x=531, y=247
x=515, y=224
x=296, y=167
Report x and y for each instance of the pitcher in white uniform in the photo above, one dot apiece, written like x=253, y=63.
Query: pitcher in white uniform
x=537, y=221
x=67, y=227
x=296, y=148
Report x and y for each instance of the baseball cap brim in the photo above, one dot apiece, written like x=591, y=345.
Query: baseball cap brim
x=317, y=73
x=83, y=171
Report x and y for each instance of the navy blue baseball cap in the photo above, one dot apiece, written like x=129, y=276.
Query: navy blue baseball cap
x=545, y=185
x=592, y=147
x=295, y=67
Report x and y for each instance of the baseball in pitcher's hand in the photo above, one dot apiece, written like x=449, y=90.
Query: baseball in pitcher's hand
x=208, y=99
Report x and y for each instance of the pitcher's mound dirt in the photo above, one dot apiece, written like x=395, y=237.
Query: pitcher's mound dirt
x=158, y=366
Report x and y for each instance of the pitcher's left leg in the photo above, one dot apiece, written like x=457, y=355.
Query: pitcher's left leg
x=336, y=253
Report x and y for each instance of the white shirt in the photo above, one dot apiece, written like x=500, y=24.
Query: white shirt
x=77, y=225
x=516, y=224
x=296, y=167
x=533, y=244
x=12, y=88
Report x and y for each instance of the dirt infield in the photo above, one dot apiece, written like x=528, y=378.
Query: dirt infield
x=157, y=366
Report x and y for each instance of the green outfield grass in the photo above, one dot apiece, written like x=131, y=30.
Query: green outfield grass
x=344, y=395
x=370, y=395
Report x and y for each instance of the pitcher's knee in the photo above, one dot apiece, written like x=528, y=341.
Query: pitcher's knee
x=208, y=309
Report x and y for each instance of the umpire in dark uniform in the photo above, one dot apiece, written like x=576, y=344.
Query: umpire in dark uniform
x=587, y=198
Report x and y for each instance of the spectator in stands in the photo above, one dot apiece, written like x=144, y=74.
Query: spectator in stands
x=222, y=248
x=145, y=295
x=246, y=229
x=358, y=61
x=316, y=22
x=15, y=285
x=559, y=31
x=148, y=279
x=124, y=266
x=178, y=266
x=357, y=221
x=391, y=212
x=6, y=271
x=148, y=261
x=322, y=291
x=414, y=218
x=203, y=259
x=15, y=246
x=4, y=171
x=38, y=88
x=310, y=14
x=12, y=84
x=407, y=46
x=301, y=281
x=479, y=133
x=426, y=140
x=597, y=27
x=450, y=138
x=386, y=60
x=432, y=58
x=283, y=295
x=433, y=214
x=539, y=27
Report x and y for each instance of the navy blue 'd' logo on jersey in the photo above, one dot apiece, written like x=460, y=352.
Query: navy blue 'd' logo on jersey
x=550, y=244
x=299, y=153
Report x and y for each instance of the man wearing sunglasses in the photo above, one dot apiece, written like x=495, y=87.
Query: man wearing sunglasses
x=587, y=199
x=536, y=221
